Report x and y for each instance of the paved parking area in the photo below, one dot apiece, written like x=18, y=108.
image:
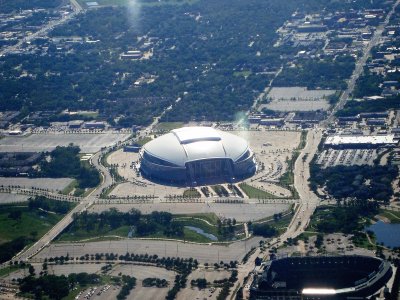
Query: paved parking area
x=348, y=157
x=202, y=252
x=12, y=198
x=88, y=143
x=57, y=184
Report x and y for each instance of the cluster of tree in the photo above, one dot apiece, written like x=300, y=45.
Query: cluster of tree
x=227, y=285
x=52, y=286
x=345, y=218
x=16, y=5
x=226, y=227
x=37, y=207
x=43, y=203
x=9, y=249
x=113, y=219
x=128, y=283
x=353, y=108
x=157, y=282
x=65, y=162
x=264, y=230
x=200, y=61
x=170, y=263
x=368, y=84
x=325, y=73
x=201, y=283
x=361, y=182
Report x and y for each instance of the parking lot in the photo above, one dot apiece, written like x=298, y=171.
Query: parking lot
x=349, y=157
x=88, y=143
x=297, y=99
x=202, y=252
x=12, y=198
x=56, y=184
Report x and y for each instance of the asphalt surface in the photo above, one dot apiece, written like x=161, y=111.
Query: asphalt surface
x=308, y=202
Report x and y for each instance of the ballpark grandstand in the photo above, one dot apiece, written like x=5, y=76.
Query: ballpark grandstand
x=196, y=155
x=328, y=277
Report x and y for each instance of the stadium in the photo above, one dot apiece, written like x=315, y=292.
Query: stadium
x=329, y=277
x=197, y=155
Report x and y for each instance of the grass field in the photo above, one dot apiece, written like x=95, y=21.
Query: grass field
x=143, y=141
x=255, y=193
x=21, y=226
x=70, y=187
x=8, y=270
x=207, y=222
x=168, y=126
x=191, y=193
x=31, y=223
x=392, y=216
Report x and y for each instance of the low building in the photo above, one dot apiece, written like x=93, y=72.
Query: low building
x=374, y=115
x=76, y=124
x=272, y=122
x=376, y=122
x=132, y=148
x=132, y=54
x=360, y=142
x=95, y=125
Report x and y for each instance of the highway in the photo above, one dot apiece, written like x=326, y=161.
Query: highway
x=307, y=205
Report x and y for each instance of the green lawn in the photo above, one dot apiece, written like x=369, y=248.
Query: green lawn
x=32, y=223
x=168, y=126
x=122, y=231
x=69, y=188
x=191, y=193
x=143, y=141
x=210, y=217
x=255, y=193
x=8, y=270
x=200, y=224
x=84, y=234
x=392, y=216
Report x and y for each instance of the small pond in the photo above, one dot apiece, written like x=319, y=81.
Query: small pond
x=201, y=232
x=386, y=233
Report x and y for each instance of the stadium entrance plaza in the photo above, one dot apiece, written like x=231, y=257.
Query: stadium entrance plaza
x=272, y=150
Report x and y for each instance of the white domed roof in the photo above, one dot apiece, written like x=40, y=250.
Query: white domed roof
x=195, y=143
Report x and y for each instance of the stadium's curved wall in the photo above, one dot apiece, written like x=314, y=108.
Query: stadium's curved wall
x=331, y=277
x=197, y=154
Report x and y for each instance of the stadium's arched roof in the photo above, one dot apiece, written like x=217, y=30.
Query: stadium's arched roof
x=196, y=143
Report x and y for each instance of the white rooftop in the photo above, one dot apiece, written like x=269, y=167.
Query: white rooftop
x=188, y=135
x=195, y=143
x=361, y=139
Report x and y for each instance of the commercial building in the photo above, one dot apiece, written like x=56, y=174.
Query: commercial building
x=75, y=124
x=95, y=125
x=360, y=141
x=196, y=155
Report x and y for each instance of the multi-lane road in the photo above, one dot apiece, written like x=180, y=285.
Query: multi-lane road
x=307, y=205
